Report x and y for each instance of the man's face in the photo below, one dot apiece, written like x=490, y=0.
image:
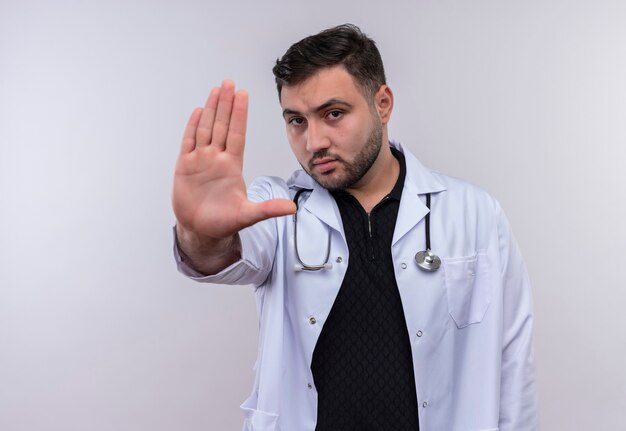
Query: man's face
x=334, y=132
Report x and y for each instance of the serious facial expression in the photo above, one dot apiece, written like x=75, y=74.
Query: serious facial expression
x=334, y=132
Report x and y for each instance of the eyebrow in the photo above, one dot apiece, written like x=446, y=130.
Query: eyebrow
x=323, y=106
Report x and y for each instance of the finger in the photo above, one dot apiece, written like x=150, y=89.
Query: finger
x=223, y=114
x=278, y=207
x=236, y=139
x=256, y=212
x=205, y=126
x=189, y=137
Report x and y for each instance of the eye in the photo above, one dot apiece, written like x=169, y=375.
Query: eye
x=295, y=121
x=334, y=115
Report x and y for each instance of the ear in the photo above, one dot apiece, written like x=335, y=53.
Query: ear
x=383, y=100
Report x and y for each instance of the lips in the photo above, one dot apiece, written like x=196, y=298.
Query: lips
x=325, y=164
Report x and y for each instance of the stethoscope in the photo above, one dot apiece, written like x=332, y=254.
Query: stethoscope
x=426, y=260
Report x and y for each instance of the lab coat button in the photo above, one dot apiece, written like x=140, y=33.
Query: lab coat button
x=309, y=385
x=339, y=259
x=419, y=333
x=403, y=265
x=312, y=320
x=425, y=404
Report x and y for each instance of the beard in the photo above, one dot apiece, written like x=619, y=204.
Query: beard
x=353, y=170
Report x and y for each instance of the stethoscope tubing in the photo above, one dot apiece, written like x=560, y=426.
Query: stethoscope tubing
x=301, y=266
x=426, y=260
x=427, y=221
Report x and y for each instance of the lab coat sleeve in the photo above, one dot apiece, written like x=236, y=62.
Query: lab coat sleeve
x=518, y=403
x=258, y=246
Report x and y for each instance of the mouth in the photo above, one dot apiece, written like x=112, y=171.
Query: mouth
x=324, y=164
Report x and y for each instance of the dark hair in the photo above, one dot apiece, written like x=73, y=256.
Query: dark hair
x=342, y=45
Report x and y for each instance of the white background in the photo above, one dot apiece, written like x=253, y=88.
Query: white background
x=99, y=332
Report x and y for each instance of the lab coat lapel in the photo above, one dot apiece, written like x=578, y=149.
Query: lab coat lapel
x=412, y=210
x=323, y=206
x=418, y=181
x=320, y=202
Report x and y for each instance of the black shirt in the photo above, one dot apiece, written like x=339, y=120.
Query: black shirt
x=362, y=363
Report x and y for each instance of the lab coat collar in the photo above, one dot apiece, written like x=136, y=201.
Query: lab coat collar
x=421, y=179
x=320, y=202
x=418, y=181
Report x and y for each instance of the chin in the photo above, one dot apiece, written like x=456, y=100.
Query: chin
x=332, y=182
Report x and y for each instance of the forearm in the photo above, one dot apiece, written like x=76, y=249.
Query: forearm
x=205, y=255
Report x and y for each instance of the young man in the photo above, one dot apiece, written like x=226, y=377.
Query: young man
x=358, y=332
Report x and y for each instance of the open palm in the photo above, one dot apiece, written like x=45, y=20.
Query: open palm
x=209, y=196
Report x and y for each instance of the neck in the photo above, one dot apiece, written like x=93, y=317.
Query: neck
x=378, y=181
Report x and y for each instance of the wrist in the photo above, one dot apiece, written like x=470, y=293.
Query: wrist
x=206, y=254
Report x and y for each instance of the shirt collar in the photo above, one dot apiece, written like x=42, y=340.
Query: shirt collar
x=396, y=192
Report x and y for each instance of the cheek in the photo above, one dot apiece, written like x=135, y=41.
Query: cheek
x=353, y=135
x=298, y=149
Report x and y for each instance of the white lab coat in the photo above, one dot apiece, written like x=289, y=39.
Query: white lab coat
x=470, y=323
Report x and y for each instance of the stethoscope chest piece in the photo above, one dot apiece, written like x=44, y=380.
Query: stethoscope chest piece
x=428, y=261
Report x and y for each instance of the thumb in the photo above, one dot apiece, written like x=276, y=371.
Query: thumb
x=260, y=211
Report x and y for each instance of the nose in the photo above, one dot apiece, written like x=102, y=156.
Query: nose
x=316, y=138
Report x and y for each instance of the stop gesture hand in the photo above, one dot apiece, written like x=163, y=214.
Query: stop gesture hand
x=209, y=196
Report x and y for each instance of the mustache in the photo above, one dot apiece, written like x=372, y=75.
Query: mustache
x=321, y=154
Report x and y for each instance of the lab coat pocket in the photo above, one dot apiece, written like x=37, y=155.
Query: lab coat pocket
x=467, y=288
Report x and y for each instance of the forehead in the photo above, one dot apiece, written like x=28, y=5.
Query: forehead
x=326, y=84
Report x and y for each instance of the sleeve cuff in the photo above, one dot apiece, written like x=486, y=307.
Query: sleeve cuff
x=239, y=272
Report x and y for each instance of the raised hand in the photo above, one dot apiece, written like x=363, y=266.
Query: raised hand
x=209, y=197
